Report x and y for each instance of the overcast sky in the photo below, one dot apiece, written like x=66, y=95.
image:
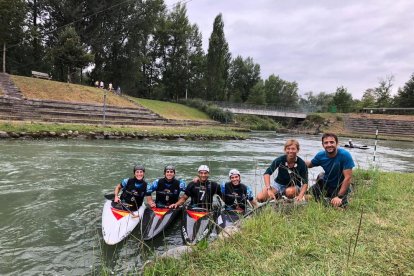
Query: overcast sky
x=319, y=44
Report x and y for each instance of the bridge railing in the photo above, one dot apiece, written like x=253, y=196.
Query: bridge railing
x=259, y=107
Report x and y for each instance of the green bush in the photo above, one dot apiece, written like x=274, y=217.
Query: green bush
x=315, y=118
x=254, y=122
x=212, y=110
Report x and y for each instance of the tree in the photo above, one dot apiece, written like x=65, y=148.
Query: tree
x=176, y=55
x=342, y=100
x=218, y=62
x=244, y=74
x=368, y=99
x=405, y=96
x=257, y=95
x=281, y=93
x=12, y=15
x=316, y=103
x=196, y=64
x=383, y=92
x=69, y=54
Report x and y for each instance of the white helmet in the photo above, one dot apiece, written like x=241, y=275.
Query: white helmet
x=233, y=172
x=203, y=168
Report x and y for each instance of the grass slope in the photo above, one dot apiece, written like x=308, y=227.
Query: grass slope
x=33, y=88
x=317, y=240
x=173, y=110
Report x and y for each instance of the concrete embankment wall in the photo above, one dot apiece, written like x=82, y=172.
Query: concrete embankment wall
x=387, y=125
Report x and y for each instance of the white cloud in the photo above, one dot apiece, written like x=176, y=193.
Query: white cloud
x=321, y=45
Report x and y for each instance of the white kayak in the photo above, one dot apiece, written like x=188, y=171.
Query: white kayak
x=117, y=224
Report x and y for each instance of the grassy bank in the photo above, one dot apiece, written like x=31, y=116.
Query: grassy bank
x=191, y=132
x=173, y=110
x=317, y=240
x=32, y=88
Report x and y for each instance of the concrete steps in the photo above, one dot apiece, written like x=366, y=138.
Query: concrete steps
x=385, y=127
x=13, y=106
x=63, y=112
x=9, y=89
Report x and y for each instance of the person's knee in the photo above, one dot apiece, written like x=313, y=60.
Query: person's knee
x=291, y=192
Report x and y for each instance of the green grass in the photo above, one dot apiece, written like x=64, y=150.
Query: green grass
x=191, y=132
x=318, y=240
x=33, y=88
x=173, y=110
x=254, y=122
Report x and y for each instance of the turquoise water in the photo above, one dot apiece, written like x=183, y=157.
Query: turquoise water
x=51, y=192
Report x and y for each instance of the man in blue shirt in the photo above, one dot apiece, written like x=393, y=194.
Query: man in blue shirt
x=337, y=164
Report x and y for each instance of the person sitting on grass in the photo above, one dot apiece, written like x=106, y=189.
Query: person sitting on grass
x=167, y=189
x=133, y=189
x=337, y=163
x=292, y=175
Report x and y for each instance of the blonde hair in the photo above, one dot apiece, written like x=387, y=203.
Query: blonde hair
x=292, y=142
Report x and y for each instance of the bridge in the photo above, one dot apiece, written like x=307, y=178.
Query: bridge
x=262, y=110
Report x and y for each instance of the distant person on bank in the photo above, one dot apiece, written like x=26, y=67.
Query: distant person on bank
x=292, y=176
x=337, y=164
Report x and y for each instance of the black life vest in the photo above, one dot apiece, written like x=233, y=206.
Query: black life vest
x=202, y=194
x=167, y=192
x=235, y=197
x=134, y=192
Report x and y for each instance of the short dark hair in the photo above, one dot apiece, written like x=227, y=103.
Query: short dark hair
x=328, y=134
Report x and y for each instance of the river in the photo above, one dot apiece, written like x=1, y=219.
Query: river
x=51, y=192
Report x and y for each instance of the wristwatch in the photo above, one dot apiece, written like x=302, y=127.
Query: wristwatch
x=341, y=196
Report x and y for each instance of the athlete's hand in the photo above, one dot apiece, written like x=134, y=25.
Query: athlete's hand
x=173, y=206
x=116, y=199
x=152, y=204
x=300, y=198
x=271, y=194
x=336, y=201
x=196, y=179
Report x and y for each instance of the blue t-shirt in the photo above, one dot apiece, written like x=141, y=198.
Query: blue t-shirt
x=334, y=166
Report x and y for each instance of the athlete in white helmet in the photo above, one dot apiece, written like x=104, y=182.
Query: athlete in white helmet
x=236, y=194
x=201, y=191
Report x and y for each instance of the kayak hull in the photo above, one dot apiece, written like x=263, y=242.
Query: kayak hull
x=228, y=218
x=156, y=220
x=196, y=225
x=117, y=224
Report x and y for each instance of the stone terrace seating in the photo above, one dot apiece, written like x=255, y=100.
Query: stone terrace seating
x=65, y=112
x=365, y=124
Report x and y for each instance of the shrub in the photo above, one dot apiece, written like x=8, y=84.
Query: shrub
x=212, y=110
x=315, y=118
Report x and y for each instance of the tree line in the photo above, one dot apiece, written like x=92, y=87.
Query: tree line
x=153, y=51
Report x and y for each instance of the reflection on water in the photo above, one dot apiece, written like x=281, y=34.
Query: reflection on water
x=51, y=192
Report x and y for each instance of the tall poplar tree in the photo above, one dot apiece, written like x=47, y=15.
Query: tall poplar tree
x=218, y=62
x=12, y=14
